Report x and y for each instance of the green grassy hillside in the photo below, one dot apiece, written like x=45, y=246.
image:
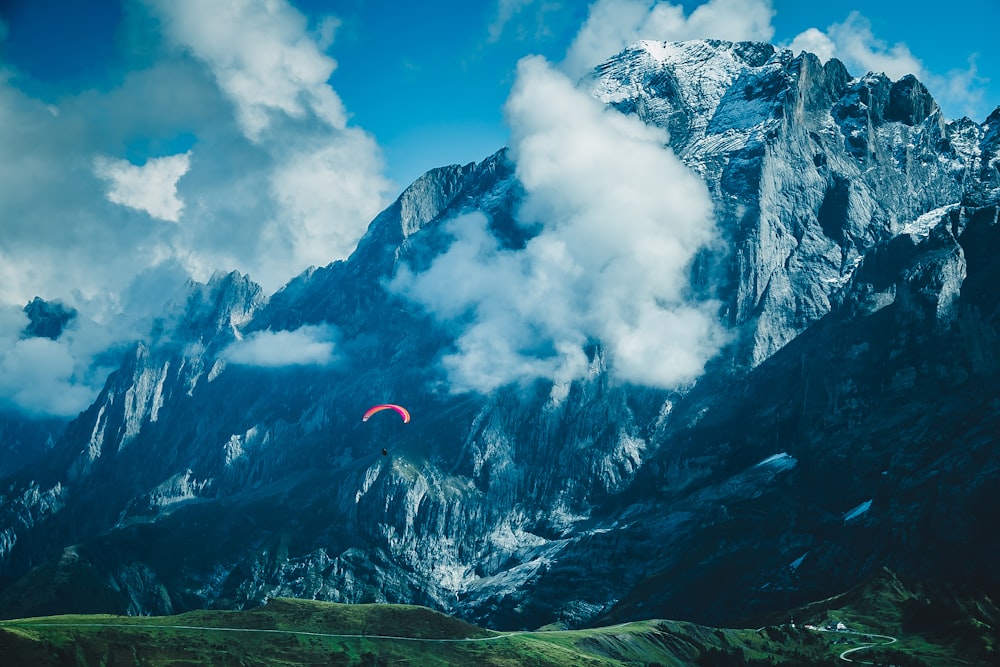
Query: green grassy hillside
x=303, y=632
x=936, y=623
x=928, y=631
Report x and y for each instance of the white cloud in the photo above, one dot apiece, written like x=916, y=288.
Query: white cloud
x=960, y=92
x=856, y=44
x=614, y=24
x=260, y=53
x=151, y=188
x=318, y=187
x=306, y=346
x=13, y=320
x=506, y=10
x=610, y=262
x=325, y=32
x=312, y=183
x=540, y=23
x=813, y=41
x=36, y=375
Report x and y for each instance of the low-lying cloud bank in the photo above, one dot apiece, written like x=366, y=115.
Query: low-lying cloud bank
x=620, y=220
x=310, y=345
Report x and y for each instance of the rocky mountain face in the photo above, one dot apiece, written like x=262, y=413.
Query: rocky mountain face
x=24, y=440
x=47, y=319
x=851, y=424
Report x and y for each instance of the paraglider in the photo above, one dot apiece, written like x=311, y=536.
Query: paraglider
x=403, y=412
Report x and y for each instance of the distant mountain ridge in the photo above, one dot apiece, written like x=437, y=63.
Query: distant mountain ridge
x=848, y=427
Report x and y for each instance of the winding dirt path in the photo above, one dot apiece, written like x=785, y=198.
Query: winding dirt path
x=141, y=626
x=843, y=656
x=892, y=640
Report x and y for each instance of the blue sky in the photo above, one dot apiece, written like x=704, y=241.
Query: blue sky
x=429, y=80
x=438, y=66
x=149, y=141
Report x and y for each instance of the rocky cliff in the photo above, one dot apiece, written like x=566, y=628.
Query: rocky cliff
x=850, y=425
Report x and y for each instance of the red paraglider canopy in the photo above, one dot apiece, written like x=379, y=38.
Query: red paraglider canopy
x=403, y=412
